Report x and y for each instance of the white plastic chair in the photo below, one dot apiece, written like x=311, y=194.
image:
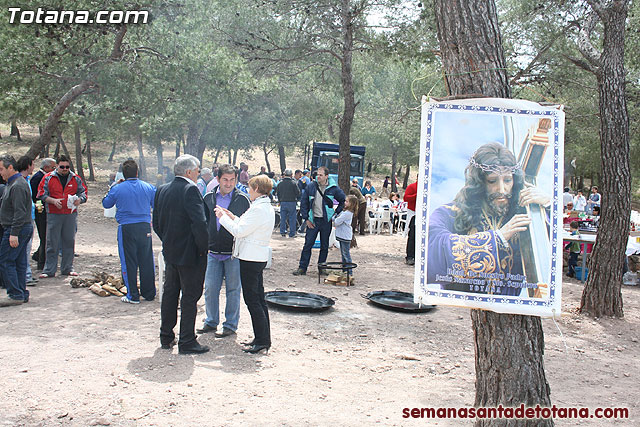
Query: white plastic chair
x=404, y=223
x=372, y=217
x=385, y=218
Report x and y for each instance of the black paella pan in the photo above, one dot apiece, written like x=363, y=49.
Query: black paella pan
x=397, y=301
x=298, y=301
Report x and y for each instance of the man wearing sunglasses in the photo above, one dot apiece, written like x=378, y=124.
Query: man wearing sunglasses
x=56, y=190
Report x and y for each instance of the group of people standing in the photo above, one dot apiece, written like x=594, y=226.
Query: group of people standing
x=205, y=240
x=48, y=199
x=580, y=203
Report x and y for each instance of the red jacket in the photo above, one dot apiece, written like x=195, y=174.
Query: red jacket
x=410, y=195
x=50, y=186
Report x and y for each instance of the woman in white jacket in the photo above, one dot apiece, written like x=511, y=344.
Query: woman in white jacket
x=252, y=232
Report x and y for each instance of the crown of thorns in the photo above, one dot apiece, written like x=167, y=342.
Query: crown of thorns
x=499, y=169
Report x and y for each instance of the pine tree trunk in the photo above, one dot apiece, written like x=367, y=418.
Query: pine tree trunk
x=142, y=167
x=113, y=150
x=64, y=148
x=92, y=175
x=344, y=141
x=394, y=163
x=56, y=153
x=192, y=140
x=177, y=149
x=160, y=160
x=76, y=136
x=509, y=348
x=235, y=156
x=215, y=159
x=405, y=181
x=602, y=295
x=201, y=145
x=283, y=158
x=15, y=131
x=266, y=156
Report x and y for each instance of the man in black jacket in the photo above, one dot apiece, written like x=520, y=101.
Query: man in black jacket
x=47, y=165
x=220, y=264
x=288, y=194
x=180, y=220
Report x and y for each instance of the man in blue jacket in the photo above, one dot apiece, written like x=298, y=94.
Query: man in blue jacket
x=317, y=208
x=133, y=199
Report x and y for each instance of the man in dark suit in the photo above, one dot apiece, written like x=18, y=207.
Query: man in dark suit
x=47, y=165
x=180, y=220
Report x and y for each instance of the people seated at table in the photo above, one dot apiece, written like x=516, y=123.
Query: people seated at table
x=574, y=249
x=396, y=204
x=596, y=216
x=568, y=208
x=368, y=188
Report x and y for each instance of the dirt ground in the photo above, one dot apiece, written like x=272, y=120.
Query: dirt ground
x=70, y=357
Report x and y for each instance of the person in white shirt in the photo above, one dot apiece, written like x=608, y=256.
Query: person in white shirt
x=567, y=197
x=252, y=232
x=579, y=202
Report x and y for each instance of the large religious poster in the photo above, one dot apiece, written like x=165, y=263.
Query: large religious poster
x=488, y=212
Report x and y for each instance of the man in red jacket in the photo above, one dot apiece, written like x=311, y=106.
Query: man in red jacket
x=410, y=195
x=62, y=191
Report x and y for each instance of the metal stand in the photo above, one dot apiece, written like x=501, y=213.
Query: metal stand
x=337, y=265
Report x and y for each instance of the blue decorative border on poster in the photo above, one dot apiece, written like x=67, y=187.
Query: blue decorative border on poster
x=547, y=302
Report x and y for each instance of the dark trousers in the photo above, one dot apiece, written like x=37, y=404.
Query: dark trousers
x=324, y=228
x=253, y=293
x=573, y=262
x=411, y=240
x=13, y=263
x=359, y=220
x=189, y=280
x=135, y=250
x=41, y=225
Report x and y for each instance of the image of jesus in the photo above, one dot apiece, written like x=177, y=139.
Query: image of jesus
x=474, y=241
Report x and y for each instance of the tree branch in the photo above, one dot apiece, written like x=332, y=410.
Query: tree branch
x=586, y=48
x=57, y=112
x=539, y=55
x=598, y=6
x=582, y=64
x=116, y=52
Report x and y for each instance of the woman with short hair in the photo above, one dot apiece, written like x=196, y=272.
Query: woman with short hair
x=252, y=232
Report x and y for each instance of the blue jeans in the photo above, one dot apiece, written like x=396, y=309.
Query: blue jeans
x=13, y=263
x=324, y=228
x=288, y=213
x=229, y=270
x=27, y=254
x=344, y=251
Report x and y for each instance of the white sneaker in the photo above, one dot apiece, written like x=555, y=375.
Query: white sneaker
x=127, y=300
